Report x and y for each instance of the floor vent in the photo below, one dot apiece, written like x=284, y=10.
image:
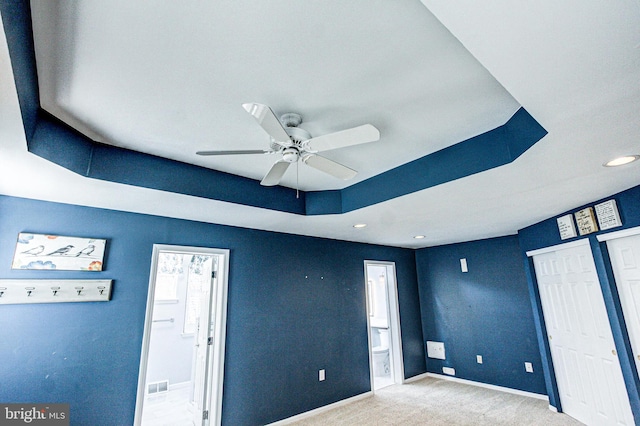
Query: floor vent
x=158, y=387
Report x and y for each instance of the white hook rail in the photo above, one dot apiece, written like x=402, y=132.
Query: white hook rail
x=54, y=291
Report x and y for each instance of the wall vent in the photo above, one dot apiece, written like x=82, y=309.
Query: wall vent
x=158, y=387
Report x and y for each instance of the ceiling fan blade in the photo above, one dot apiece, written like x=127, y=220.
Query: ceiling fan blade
x=330, y=167
x=354, y=136
x=274, y=175
x=268, y=121
x=236, y=152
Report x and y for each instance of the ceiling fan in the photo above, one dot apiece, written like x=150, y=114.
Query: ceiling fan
x=295, y=144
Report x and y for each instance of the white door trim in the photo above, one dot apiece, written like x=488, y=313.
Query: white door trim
x=619, y=234
x=219, y=330
x=394, y=320
x=577, y=243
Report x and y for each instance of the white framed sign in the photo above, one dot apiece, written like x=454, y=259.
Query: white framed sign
x=586, y=221
x=40, y=251
x=566, y=227
x=608, y=215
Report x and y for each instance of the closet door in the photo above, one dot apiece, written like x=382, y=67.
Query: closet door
x=625, y=259
x=587, y=369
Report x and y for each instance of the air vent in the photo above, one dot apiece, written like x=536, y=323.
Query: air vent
x=158, y=387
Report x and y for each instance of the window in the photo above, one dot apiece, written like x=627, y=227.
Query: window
x=169, y=269
x=198, y=287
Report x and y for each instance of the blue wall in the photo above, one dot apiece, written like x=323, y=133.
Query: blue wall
x=485, y=311
x=296, y=304
x=284, y=322
x=546, y=234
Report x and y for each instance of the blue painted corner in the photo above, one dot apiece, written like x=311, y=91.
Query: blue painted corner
x=324, y=202
x=483, y=152
x=60, y=144
x=16, y=19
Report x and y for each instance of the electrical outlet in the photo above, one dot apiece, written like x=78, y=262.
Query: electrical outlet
x=528, y=367
x=449, y=371
x=321, y=376
x=479, y=359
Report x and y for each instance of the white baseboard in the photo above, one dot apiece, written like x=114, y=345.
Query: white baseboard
x=181, y=385
x=325, y=408
x=416, y=378
x=319, y=410
x=488, y=386
x=552, y=408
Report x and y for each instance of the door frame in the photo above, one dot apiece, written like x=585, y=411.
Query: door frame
x=395, y=346
x=629, y=232
x=219, y=319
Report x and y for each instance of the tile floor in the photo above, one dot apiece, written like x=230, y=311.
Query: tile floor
x=171, y=408
x=380, y=382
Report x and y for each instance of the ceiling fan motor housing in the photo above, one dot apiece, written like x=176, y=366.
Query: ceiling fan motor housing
x=297, y=134
x=290, y=155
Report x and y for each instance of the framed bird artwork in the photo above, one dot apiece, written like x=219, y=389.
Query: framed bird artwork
x=54, y=252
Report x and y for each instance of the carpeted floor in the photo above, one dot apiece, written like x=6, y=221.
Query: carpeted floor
x=433, y=401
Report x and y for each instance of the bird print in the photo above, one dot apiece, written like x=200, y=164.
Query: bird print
x=34, y=251
x=61, y=251
x=86, y=251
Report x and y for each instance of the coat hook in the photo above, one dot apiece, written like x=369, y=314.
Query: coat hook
x=79, y=289
x=29, y=290
x=101, y=288
x=2, y=289
x=55, y=290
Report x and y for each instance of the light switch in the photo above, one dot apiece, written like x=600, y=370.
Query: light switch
x=479, y=359
x=528, y=367
x=463, y=265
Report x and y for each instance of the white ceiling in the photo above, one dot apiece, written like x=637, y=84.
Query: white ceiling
x=169, y=79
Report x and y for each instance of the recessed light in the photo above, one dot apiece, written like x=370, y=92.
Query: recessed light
x=360, y=225
x=419, y=237
x=621, y=160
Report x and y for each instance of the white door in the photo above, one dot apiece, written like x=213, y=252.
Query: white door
x=587, y=369
x=625, y=259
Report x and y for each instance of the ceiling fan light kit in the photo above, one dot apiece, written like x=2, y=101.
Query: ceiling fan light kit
x=294, y=143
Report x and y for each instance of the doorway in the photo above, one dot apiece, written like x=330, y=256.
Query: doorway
x=383, y=323
x=624, y=252
x=588, y=372
x=182, y=357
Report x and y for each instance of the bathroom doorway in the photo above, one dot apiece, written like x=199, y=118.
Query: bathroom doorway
x=383, y=322
x=181, y=366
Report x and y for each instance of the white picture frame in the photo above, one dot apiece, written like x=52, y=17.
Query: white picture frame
x=55, y=252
